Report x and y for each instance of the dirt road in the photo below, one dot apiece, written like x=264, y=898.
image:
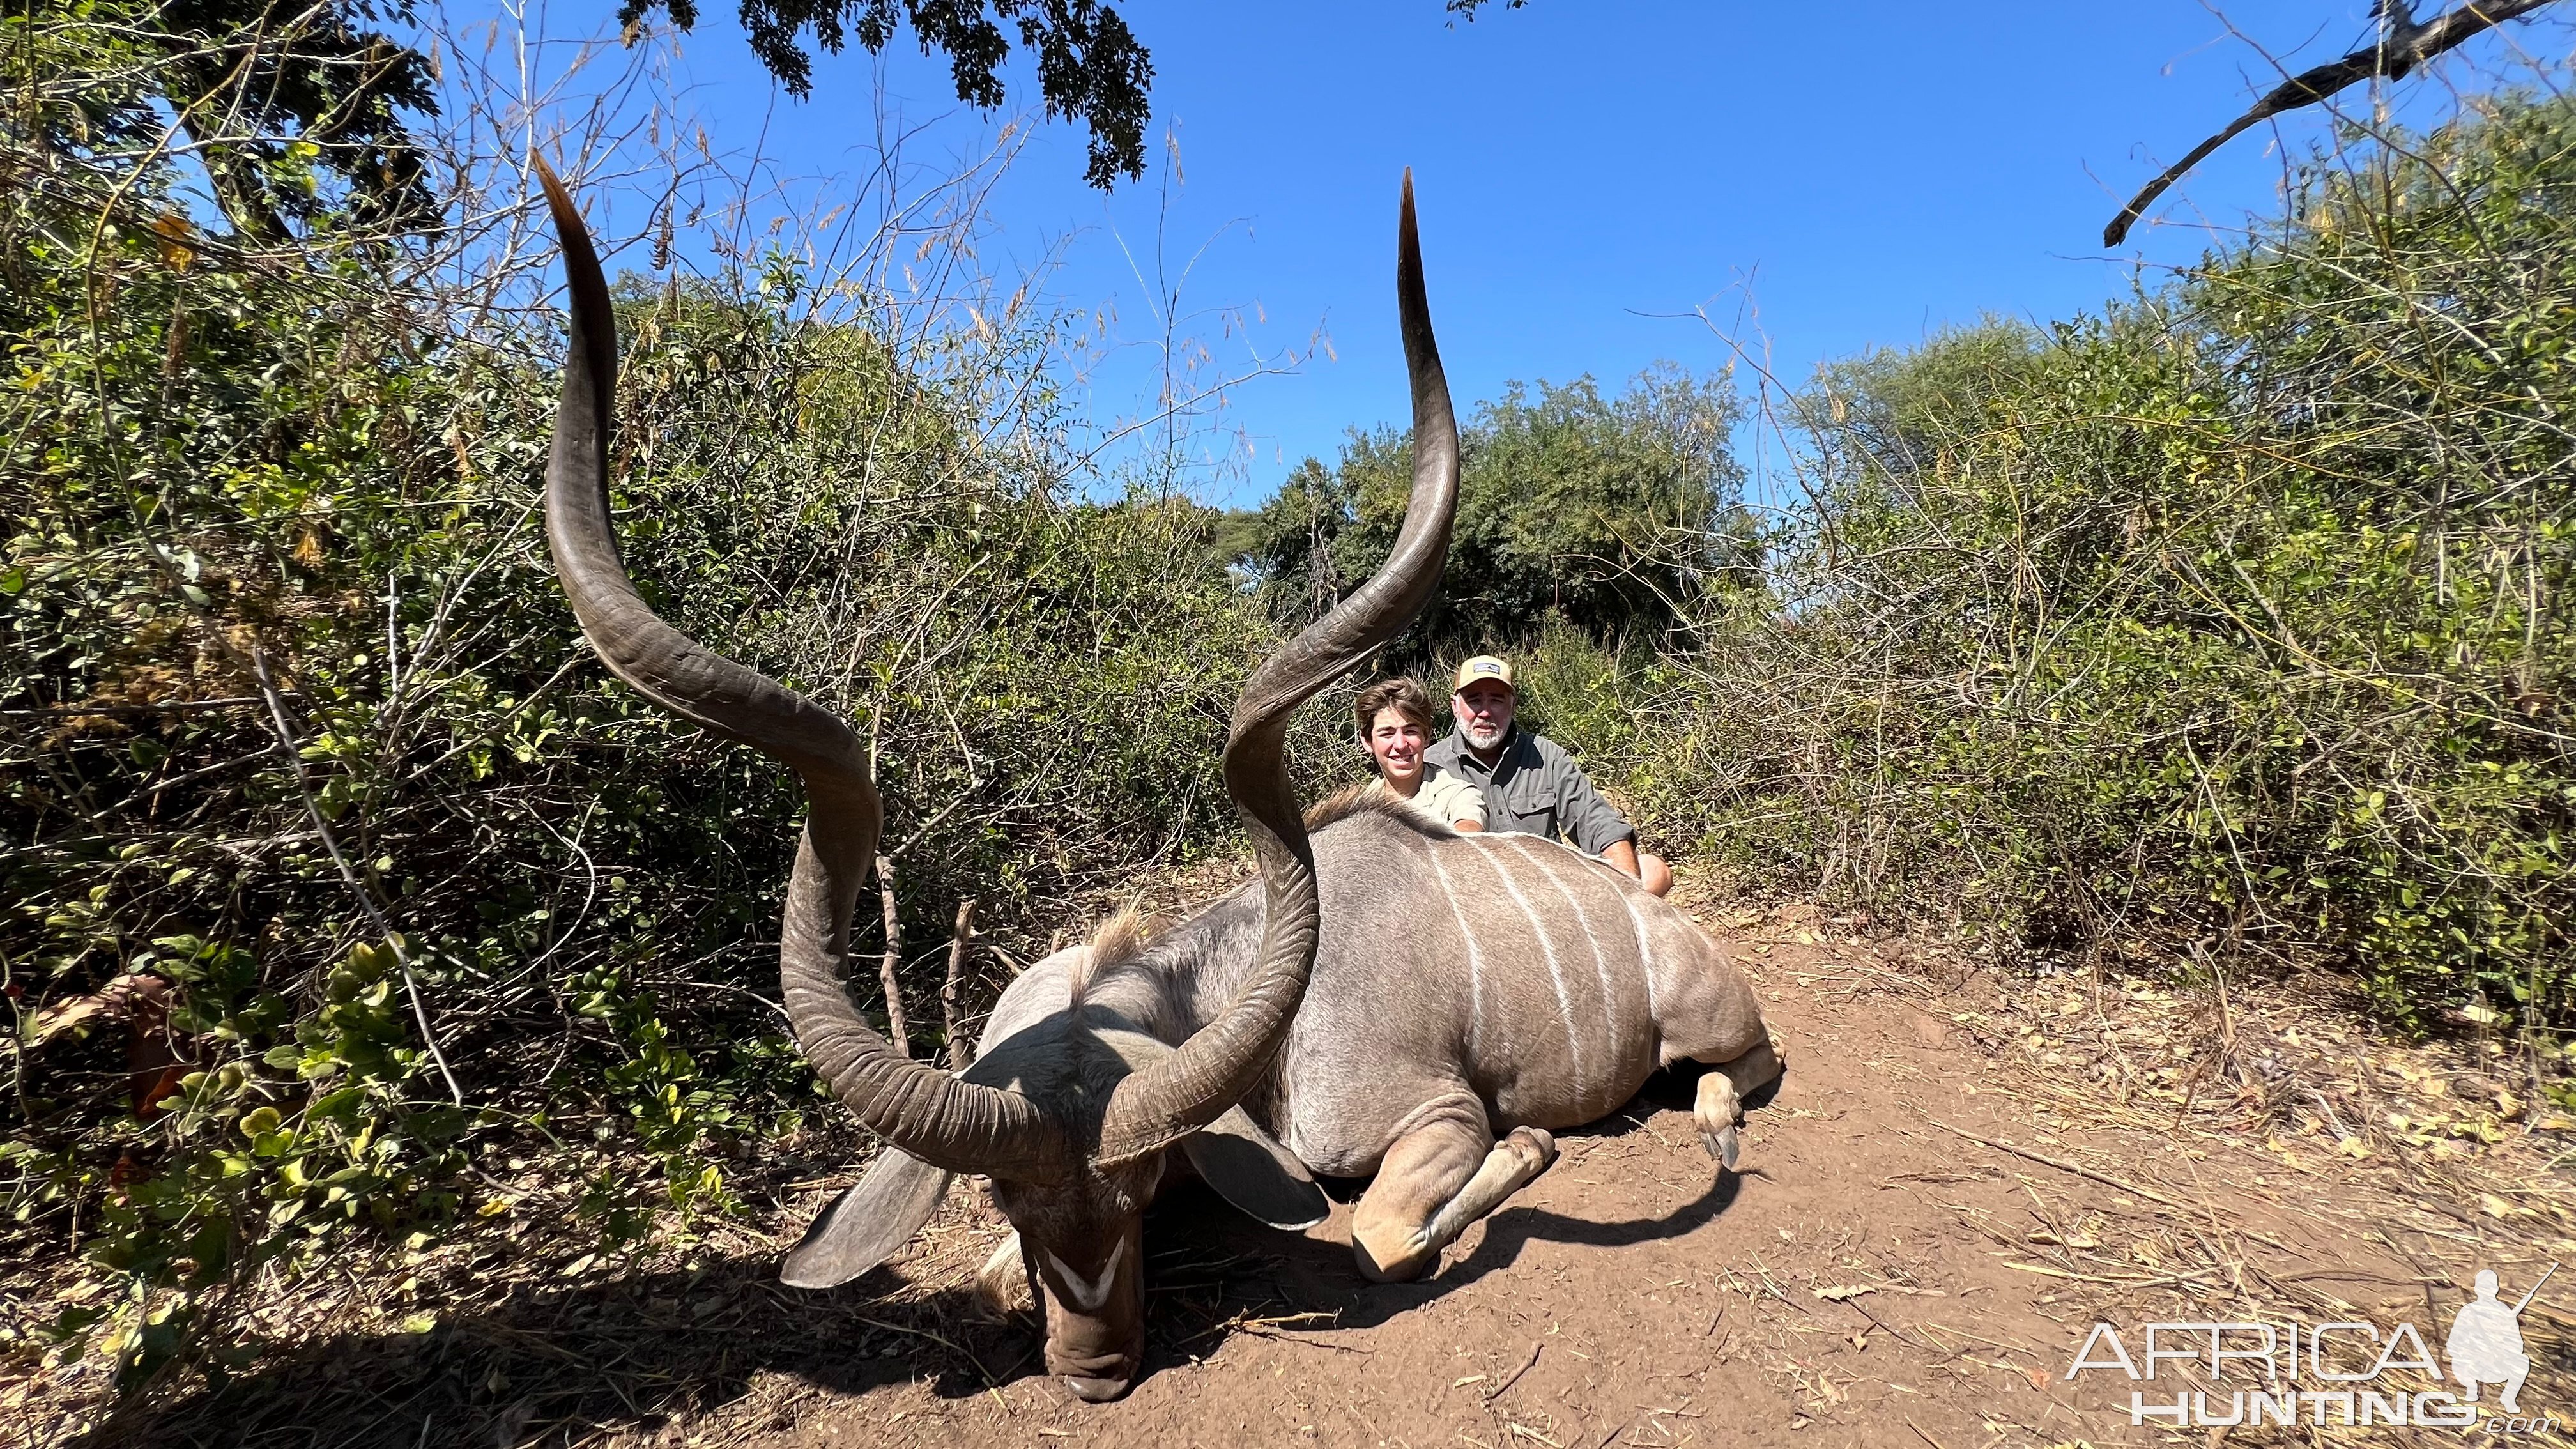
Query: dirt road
x=1955, y=1183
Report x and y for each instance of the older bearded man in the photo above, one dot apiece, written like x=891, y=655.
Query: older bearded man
x=1530, y=784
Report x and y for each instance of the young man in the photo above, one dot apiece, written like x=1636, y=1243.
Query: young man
x=1529, y=783
x=1394, y=717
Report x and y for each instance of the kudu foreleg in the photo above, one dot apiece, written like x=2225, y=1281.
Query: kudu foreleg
x=1004, y=1285
x=1434, y=1183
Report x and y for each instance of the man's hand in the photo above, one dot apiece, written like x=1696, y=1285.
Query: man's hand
x=1650, y=870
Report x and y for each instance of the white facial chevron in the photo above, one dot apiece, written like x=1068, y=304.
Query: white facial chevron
x=1086, y=1295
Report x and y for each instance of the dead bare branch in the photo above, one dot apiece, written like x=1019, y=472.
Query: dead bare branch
x=2402, y=46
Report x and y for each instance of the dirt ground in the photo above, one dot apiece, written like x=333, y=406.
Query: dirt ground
x=1959, y=1177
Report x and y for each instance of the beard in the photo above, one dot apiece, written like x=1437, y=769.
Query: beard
x=1485, y=736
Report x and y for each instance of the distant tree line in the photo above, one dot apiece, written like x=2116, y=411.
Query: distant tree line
x=1619, y=516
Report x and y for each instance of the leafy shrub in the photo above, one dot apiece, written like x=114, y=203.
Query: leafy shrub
x=2228, y=623
x=338, y=865
x=1610, y=513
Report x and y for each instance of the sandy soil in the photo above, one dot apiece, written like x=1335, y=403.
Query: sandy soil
x=1954, y=1183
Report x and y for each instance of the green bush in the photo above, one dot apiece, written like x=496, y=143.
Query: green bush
x=1613, y=514
x=309, y=777
x=2229, y=623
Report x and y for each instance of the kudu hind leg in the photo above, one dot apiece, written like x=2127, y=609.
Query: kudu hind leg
x=1434, y=1183
x=1719, y=1108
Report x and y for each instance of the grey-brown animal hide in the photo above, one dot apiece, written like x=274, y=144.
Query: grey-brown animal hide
x=1503, y=978
x=1464, y=986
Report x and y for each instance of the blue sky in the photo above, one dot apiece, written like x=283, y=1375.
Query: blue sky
x=1832, y=178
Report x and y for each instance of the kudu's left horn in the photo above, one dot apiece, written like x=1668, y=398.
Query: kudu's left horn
x=943, y=1120
x=1214, y=1069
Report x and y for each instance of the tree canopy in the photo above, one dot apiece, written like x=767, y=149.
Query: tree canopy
x=1607, y=512
x=320, y=97
x=1089, y=63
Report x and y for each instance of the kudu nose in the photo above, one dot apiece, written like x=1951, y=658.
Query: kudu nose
x=1095, y=1379
x=1096, y=1391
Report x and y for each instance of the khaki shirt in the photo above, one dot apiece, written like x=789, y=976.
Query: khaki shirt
x=1443, y=797
x=1535, y=788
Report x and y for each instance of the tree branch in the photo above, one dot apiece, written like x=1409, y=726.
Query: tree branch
x=895, y=1031
x=2403, y=46
x=960, y=1055
x=270, y=694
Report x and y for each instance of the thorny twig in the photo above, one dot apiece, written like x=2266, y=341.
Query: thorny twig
x=348, y=873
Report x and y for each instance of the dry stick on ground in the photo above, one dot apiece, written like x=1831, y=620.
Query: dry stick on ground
x=1515, y=1377
x=2063, y=1166
x=2402, y=46
x=960, y=1056
x=2104, y=1178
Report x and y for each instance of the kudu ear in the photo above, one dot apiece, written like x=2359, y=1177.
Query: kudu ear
x=1255, y=1174
x=864, y=1226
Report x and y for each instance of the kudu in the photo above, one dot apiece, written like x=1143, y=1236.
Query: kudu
x=1458, y=983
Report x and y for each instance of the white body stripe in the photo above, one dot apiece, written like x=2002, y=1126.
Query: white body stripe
x=1626, y=891
x=1475, y=958
x=1600, y=960
x=1538, y=928
x=1645, y=956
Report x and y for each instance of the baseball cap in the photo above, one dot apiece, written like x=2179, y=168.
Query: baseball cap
x=1485, y=666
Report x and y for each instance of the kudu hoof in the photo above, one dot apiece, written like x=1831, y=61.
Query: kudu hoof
x=1401, y=1261
x=1720, y=1114
x=1535, y=1147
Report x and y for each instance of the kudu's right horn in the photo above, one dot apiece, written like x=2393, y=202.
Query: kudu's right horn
x=943, y=1120
x=1214, y=1069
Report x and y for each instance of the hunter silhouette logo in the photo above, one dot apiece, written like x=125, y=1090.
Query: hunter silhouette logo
x=2486, y=1341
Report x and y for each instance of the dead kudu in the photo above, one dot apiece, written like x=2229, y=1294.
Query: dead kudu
x=1391, y=995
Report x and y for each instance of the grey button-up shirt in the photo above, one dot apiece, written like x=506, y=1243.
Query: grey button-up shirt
x=1535, y=788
